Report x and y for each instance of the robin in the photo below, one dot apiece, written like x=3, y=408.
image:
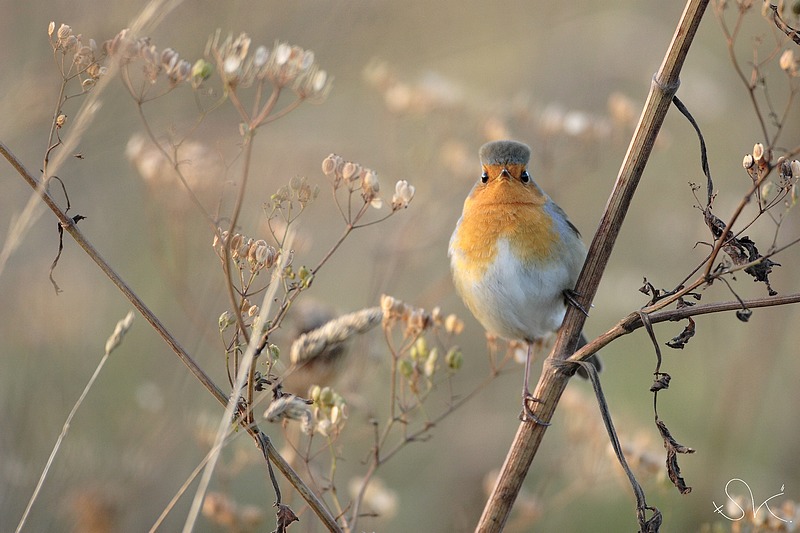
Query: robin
x=515, y=255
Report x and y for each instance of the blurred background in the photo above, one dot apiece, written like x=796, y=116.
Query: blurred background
x=418, y=88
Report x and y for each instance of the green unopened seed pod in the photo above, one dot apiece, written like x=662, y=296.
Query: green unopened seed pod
x=314, y=393
x=201, y=71
x=274, y=351
x=406, y=368
x=419, y=351
x=454, y=358
x=326, y=396
x=305, y=275
x=226, y=319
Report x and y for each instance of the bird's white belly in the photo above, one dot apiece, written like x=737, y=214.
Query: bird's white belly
x=513, y=300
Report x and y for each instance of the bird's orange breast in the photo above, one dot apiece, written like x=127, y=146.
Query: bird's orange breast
x=504, y=210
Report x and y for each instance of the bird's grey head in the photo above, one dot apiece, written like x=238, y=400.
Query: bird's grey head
x=505, y=153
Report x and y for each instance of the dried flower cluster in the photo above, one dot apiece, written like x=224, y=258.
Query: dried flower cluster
x=758, y=165
x=246, y=252
x=126, y=49
x=417, y=319
x=85, y=58
x=419, y=365
x=354, y=177
x=283, y=66
x=298, y=190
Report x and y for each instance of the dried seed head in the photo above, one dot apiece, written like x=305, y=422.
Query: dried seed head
x=169, y=58
x=120, y=330
x=350, y=171
x=758, y=152
x=64, y=32
x=181, y=72
x=95, y=71
x=306, y=59
x=220, y=238
x=330, y=164
x=51, y=28
x=261, y=57
x=370, y=187
x=453, y=325
x=319, y=81
x=748, y=162
x=788, y=63
x=282, y=54
x=236, y=243
x=312, y=84
x=226, y=320
x=403, y=195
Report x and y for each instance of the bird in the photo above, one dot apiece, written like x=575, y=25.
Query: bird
x=515, y=256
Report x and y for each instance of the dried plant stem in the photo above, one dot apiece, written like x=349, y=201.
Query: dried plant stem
x=633, y=321
x=265, y=444
x=552, y=382
x=60, y=438
x=243, y=378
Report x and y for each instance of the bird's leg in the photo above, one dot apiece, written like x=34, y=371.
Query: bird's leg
x=571, y=297
x=527, y=413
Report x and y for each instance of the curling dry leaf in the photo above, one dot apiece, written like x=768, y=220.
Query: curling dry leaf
x=673, y=449
x=682, y=339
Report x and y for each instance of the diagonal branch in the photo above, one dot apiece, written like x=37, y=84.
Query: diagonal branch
x=552, y=382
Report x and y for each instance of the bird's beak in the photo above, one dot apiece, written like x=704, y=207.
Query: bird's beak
x=505, y=174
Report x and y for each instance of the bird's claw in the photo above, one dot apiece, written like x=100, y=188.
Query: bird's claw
x=527, y=413
x=571, y=297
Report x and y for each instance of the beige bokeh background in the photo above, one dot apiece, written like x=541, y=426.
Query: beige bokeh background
x=488, y=68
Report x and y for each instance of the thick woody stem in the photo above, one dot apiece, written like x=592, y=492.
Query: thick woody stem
x=552, y=381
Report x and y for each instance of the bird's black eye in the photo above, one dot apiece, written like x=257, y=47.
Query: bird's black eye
x=525, y=177
x=484, y=177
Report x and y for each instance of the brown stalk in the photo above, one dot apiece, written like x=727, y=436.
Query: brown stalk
x=552, y=382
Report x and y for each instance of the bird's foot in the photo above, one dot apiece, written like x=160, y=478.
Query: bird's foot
x=571, y=297
x=527, y=414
